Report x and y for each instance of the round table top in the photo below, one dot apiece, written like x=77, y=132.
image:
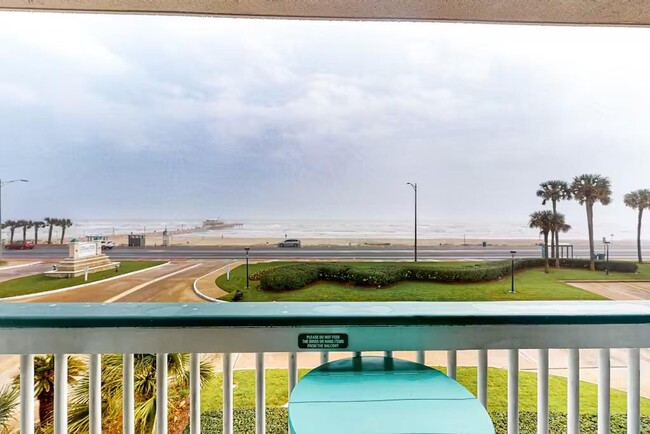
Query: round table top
x=383, y=395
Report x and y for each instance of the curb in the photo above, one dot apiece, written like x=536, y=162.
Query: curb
x=11, y=267
x=83, y=285
x=207, y=297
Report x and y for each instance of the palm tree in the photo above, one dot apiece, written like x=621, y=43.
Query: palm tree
x=44, y=384
x=8, y=403
x=547, y=222
x=145, y=393
x=554, y=191
x=22, y=224
x=51, y=222
x=639, y=200
x=27, y=224
x=588, y=189
x=12, y=225
x=39, y=224
x=64, y=223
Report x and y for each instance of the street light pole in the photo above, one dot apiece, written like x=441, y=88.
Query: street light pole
x=247, y=249
x=607, y=243
x=512, y=272
x=2, y=184
x=415, y=228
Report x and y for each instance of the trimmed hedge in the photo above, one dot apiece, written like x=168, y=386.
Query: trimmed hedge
x=296, y=276
x=276, y=422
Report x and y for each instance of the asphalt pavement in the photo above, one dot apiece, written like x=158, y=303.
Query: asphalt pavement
x=351, y=253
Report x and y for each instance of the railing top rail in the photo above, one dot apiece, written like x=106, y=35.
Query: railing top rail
x=152, y=315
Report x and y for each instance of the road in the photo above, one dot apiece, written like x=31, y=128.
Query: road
x=171, y=283
x=351, y=253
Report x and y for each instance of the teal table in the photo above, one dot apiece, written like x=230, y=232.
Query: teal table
x=364, y=395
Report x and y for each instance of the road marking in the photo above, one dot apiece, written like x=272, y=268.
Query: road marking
x=11, y=267
x=142, y=285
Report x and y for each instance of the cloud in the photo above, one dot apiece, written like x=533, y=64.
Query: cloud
x=332, y=116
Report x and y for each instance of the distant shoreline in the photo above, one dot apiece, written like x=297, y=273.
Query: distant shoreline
x=195, y=239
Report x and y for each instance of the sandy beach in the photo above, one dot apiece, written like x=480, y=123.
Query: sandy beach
x=196, y=239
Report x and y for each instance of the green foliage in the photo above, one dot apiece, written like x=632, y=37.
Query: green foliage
x=276, y=422
x=8, y=403
x=296, y=276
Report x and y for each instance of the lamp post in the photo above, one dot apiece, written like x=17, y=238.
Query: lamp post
x=414, y=185
x=607, y=243
x=2, y=184
x=247, y=249
x=512, y=272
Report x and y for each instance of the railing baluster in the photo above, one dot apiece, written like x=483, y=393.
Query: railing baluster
x=482, y=377
x=421, y=356
x=128, y=394
x=161, y=393
x=573, y=392
x=324, y=357
x=513, y=391
x=293, y=371
x=451, y=364
x=633, y=391
x=388, y=354
x=195, y=393
x=542, y=391
x=260, y=394
x=227, y=394
x=95, y=393
x=61, y=394
x=357, y=354
x=603, y=390
x=27, y=394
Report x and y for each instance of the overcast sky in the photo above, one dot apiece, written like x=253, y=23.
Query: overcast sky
x=180, y=117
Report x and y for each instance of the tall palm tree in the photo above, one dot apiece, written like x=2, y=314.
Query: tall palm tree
x=51, y=222
x=44, y=384
x=554, y=191
x=639, y=200
x=64, y=223
x=12, y=225
x=39, y=224
x=27, y=224
x=8, y=403
x=547, y=222
x=145, y=393
x=588, y=189
x=21, y=224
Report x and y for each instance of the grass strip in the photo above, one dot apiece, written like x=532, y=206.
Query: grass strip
x=41, y=283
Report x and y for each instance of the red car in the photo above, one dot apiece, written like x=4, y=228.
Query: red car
x=20, y=245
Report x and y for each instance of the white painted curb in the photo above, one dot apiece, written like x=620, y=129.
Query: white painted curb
x=11, y=267
x=207, y=297
x=70, y=288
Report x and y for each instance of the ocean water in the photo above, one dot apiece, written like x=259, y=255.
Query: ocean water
x=340, y=229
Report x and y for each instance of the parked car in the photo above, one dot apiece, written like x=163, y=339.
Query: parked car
x=107, y=244
x=289, y=243
x=20, y=245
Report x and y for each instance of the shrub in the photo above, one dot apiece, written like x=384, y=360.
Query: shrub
x=296, y=276
x=289, y=277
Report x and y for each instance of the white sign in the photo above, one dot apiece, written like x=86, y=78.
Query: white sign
x=85, y=250
x=228, y=272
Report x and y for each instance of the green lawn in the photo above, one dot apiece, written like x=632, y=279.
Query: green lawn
x=532, y=284
x=276, y=391
x=42, y=283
